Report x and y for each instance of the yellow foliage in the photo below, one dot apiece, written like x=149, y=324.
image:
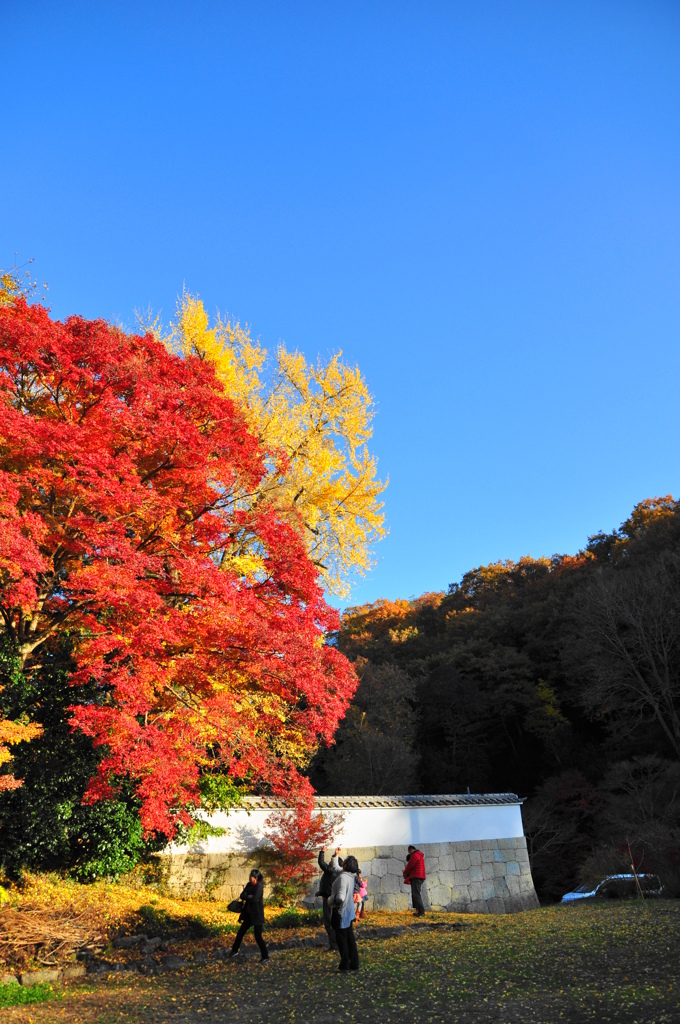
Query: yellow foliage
x=12, y=286
x=11, y=733
x=316, y=422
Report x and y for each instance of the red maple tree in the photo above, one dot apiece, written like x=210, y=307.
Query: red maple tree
x=294, y=836
x=125, y=475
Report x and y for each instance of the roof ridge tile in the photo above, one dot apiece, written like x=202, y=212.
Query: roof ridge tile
x=404, y=800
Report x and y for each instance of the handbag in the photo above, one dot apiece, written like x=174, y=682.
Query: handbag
x=236, y=906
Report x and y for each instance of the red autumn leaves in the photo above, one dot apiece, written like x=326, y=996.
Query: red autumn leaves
x=125, y=483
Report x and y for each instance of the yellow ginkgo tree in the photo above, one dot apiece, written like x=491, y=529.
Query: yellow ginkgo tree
x=315, y=420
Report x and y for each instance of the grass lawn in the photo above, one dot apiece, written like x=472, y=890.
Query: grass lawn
x=599, y=962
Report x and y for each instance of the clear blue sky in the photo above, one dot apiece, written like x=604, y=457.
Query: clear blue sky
x=478, y=202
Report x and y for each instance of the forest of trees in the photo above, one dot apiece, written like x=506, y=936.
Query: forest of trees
x=555, y=678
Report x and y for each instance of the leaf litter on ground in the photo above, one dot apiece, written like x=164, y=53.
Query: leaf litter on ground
x=600, y=962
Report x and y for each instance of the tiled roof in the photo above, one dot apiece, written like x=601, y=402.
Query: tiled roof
x=438, y=800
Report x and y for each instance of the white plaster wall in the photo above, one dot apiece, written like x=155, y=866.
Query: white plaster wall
x=373, y=826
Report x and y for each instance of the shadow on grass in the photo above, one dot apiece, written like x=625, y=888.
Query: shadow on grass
x=156, y=921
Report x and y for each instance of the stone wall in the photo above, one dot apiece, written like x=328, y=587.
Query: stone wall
x=489, y=876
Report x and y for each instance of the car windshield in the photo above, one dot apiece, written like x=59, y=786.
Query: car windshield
x=583, y=888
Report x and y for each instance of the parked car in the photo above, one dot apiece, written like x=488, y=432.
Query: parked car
x=617, y=887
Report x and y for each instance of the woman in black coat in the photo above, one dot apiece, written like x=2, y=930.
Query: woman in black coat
x=252, y=914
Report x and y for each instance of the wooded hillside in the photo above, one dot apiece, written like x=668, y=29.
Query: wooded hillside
x=556, y=678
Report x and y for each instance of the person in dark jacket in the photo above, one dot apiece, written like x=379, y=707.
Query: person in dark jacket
x=414, y=875
x=252, y=914
x=330, y=873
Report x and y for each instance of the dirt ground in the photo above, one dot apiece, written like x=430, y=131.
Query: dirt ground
x=596, y=962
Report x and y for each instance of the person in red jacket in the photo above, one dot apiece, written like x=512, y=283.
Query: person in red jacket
x=414, y=875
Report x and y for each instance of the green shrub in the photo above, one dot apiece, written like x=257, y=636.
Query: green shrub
x=44, y=824
x=110, y=842
x=16, y=995
x=293, y=918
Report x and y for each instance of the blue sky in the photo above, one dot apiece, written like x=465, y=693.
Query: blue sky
x=477, y=202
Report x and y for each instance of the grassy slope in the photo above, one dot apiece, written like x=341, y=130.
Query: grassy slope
x=615, y=962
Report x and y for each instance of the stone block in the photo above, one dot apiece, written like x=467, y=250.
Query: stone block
x=391, y=884
x=499, y=870
x=390, y=901
x=507, y=844
x=464, y=847
x=399, y=853
x=512, y=867
x=475, y=857
x=395, y=867
x=151, y=944
x=455, y=907
x=525, y=869
x=495, y=906
x=173, y=962
x=462, y=860
x=475, y=874
x=7, y=979
x=433, y=850
x=434, y=878
x=379, y=867
x=440, y=895
x=487, y=856
x=488, y=890
x=73, y=972
x=501, y=888
x=448, y=862
x=522, y=855
x=478, y=907
x=475, y=891
x=460, y=894
x=527, y=901
x=365, y=854
x=500, y=856
x=513, y=884
x=129, y=941
x=372, y=885
x=51, y=976
x=488, y=871
x=395, y=901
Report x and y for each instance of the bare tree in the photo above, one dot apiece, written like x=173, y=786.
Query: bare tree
x=629, y=635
